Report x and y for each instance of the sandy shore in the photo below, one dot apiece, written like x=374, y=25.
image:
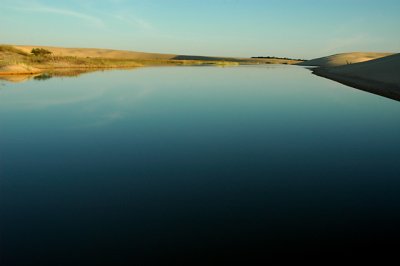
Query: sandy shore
x=380, y=76
x=19, y=69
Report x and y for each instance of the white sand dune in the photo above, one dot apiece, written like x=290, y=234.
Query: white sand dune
x=380, y=76
x=343, y=59
x=386, y=69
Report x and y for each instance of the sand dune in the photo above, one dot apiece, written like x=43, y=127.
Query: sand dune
x=103, y=53
x=386, y=69
x=119, y=54
x=380, y=76
x=343, y=59
x=133, y=55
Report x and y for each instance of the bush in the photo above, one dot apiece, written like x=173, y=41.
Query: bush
x=40, y=52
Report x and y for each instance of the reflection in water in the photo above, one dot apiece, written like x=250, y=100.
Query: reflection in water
x=72, y=73
x=43, y=76
x=16, y=78
x=58, y=73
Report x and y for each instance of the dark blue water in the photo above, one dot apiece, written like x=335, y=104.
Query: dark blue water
x=195, y=164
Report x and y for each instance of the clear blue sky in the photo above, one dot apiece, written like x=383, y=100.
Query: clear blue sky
x=293, y=28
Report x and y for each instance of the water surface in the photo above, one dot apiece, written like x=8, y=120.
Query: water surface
x=196, y=163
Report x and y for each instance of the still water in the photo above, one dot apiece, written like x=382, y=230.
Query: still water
x=192, y=164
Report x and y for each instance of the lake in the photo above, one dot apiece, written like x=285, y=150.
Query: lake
x=194, y=164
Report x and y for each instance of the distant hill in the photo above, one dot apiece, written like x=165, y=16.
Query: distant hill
x=343, y=59
x=133, y=55
x=119, y=54
x=98, y=53
x=276, y=57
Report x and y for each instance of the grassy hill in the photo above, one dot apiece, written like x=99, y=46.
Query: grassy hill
x=19, y=59
x=98, y=53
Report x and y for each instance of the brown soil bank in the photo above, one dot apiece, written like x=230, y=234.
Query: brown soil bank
x=18, y=69
x=380, y=76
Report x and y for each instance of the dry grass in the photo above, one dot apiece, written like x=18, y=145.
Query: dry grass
x=85, y=58
x=11, y=49
x=98, y=53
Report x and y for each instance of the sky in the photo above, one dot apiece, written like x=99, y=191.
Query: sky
x=288, y=28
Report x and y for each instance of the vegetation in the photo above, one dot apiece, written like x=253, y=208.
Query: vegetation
x=40, y=52
x=275, y=57
x=42, y=60
x=44, y=76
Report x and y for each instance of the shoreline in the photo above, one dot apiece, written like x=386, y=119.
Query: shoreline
x=387, y=90
x=19, y=60
x=24, y=69
x=63, y=69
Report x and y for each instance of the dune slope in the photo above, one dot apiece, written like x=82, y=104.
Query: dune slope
x=94, y=52
x=380, y=76
x=343, y=59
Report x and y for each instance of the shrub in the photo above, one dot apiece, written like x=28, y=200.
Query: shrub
x=40, y=52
